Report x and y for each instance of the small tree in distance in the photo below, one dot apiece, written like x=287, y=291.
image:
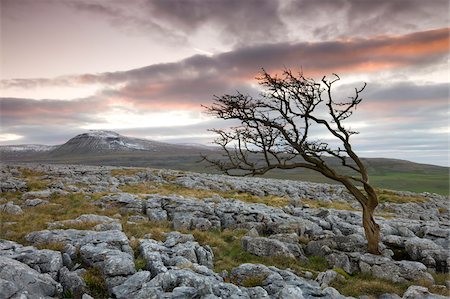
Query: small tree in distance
x=276, y=132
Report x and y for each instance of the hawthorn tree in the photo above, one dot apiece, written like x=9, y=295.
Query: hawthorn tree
x=277, y=130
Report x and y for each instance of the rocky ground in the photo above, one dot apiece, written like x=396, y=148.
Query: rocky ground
x=104, y=232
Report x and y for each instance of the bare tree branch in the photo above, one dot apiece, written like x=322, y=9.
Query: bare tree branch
x=275, y=133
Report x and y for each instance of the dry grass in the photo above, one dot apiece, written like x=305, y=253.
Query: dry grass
x=95, y=283
x=60, y=208
x=360, y=284
x=170, y=189
x=57, y=246
x=140, y=229
x=36, y=180
x=125, y=171
x=393, y=197
x=337, y=205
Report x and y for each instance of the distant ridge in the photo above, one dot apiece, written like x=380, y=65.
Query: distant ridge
x=100, y=147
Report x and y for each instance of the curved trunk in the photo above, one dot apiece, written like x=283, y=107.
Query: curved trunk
x=372, y=230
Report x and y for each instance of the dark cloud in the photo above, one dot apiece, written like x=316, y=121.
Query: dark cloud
x=349, y=18
x=261, y=21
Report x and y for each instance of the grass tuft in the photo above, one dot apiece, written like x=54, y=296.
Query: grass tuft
x=337, y=205
x=95, y=283
x=362, y=284
x=125, y=171
x=393, y=197
x=317, y=263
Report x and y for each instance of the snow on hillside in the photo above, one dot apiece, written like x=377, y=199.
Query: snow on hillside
x=27, y=148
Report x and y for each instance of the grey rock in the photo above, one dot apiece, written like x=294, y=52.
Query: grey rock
x=326, y=278
x=11, y=184
x=340, y=260
x=291, y=292
x=127, y=203
x=416, y=247
x=262, y=246
x=419, y=292
x=111, y=262
x=137, y=218
x=320, y=247
x=396, y=271
x=72, y=281
x=43, y=261
x=132, y=285
x=7, y=289
x=35, y=202
x=37, y=194
x=257, y=292
x=108, y=223
x=26, y=279
x=77, y=238
x=10, y=208
x=252, y=233
x=108, y=226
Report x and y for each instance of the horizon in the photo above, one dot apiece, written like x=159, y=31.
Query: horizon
x=144, y=68
x=212, y=145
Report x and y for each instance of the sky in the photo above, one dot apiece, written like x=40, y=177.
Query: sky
x=144, y=68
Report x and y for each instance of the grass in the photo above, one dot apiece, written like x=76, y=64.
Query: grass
x=95, y=283
x=362, y=284
x=337, y=205
x=251, y=281
x=170, y=189
x=317, y=263
x=125, y=171
x=60, y=208
x=140, y=229
x=393, y=197
x=35, y=179
x=57, y=246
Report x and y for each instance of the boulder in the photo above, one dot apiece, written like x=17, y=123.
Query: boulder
x=35, y=202
x=262, y=246
x=41, y=260
x=72, y=281
x=131, y=285
x=20, y=278
x=325, y=279
x=11, y=209
x=419, y=292
x=111, y=262
x=113, y=238
x=396, y=271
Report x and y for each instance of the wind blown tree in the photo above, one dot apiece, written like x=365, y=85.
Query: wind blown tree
x=277, y=131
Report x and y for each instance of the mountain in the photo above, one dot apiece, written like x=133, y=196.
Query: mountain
x=111, y=148
x=93, y=143
x=106, y=142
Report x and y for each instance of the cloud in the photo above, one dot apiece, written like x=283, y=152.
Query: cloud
x=18, y=111
x=199, y=76
x=333, y=19
x=258, y=21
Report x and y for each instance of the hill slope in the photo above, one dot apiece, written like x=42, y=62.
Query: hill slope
x=110, y=148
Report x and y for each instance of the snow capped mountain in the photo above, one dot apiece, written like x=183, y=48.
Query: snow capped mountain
x=96, y=145
x=104, y=141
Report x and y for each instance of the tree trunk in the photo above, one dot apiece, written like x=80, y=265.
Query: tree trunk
x=372, y=230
